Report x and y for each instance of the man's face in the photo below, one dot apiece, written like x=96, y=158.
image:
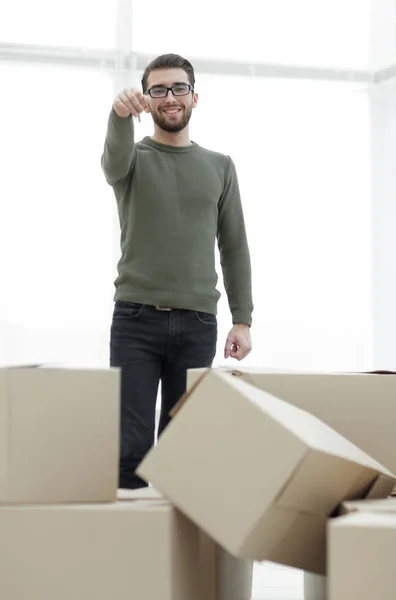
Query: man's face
x=171, y=113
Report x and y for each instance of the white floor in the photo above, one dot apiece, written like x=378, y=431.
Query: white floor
x=274, y=582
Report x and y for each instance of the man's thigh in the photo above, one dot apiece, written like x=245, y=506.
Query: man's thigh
x=194, y=348
x=135, y=349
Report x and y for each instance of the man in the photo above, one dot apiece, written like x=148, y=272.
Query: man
x=174, y=199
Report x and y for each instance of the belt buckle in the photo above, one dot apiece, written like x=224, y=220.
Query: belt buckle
x=163, y=308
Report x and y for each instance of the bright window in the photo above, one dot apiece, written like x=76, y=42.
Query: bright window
x=56, y=213
x=81, y=23
x=328, y=33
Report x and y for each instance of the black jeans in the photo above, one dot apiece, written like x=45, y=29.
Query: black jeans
x=151, y=345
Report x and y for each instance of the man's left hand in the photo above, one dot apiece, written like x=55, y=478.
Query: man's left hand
x=238, y=344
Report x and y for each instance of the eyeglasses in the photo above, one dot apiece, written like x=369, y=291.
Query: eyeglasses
x=179, y=89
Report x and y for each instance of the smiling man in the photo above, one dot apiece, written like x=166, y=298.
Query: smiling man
x=175, y=199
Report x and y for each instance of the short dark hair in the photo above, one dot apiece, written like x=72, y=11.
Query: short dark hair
x=169, y=61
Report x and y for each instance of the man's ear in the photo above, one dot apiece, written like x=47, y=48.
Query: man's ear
x=195, y=100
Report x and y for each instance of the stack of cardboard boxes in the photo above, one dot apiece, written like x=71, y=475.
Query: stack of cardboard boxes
x=254, y=466
x=63, y=533
x=270, y=459
x=361, y=551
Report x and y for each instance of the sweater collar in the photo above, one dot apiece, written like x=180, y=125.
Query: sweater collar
x=167, y=148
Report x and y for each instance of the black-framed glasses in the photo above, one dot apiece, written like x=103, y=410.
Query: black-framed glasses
x=161, y=91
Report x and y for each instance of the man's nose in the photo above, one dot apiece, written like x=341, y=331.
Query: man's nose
x=172, y=97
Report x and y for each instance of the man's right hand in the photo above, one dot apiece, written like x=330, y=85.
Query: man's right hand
x=129, y=102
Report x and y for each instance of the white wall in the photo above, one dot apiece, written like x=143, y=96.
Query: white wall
x=56, y=216
x=383, y=189
x=383, y=121
x=303, y=159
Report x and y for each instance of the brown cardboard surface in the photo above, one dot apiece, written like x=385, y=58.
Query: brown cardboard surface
x=59, y=432
x=296, y=470
x=360, y=406
x=129, y=549
x=315, y=587
x=386, y=506
x=3, y=437
x=221, y=576
x=235, y=577
x=361, y=561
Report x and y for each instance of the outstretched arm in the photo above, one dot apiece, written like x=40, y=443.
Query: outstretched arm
x=119, y=153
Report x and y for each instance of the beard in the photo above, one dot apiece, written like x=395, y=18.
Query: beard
x=172, y=124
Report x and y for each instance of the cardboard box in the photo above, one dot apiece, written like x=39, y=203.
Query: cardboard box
x=385, y=506
x=221, y=576
x=360, y=406
x=59, y=435
x=315, y=587
x=234, y=575
x=361, y=557
x=257, y=474
x=128, y=549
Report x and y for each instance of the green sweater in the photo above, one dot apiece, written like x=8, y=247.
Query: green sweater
x=173, y=202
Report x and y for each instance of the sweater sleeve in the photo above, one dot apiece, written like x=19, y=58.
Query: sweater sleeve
x=234, y=250
x=119, y=155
